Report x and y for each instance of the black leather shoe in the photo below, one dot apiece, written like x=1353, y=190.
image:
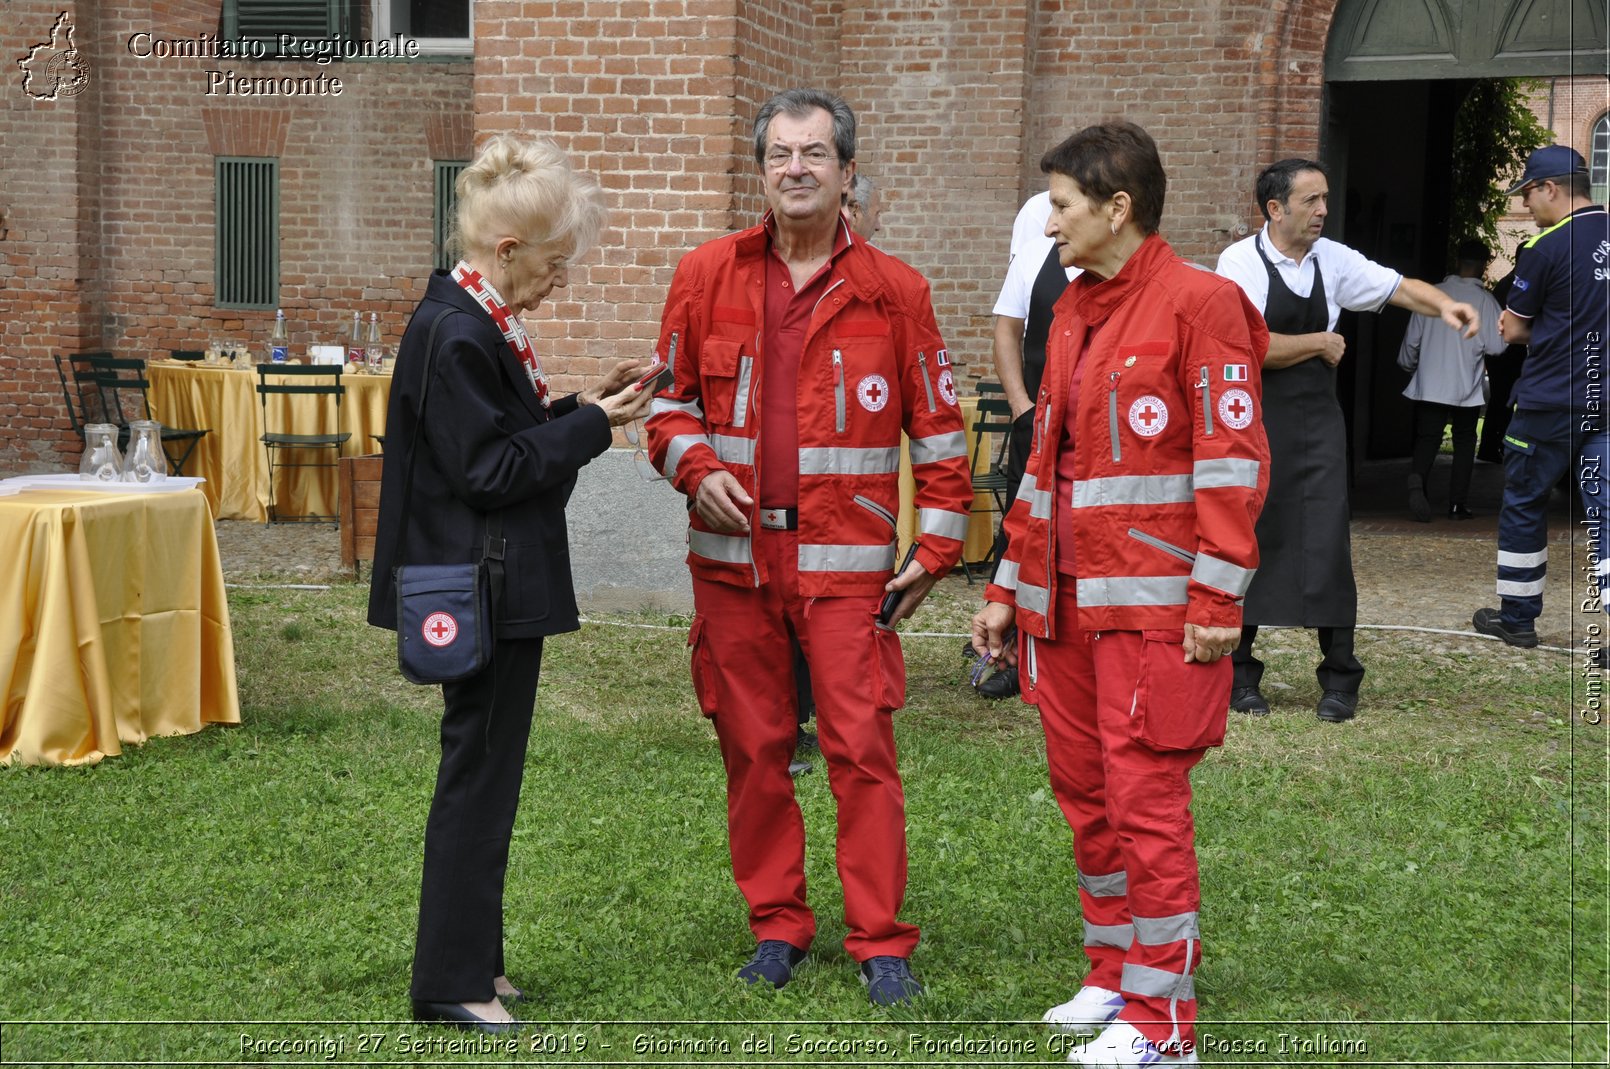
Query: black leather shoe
x=1491, y=622
x=1002, y=684
x=456, y=1016
x=1417, y=499
x=1337, y=706
x=1459, y=512
x=1249, y=700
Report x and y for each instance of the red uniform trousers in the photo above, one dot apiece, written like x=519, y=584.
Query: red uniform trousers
x=743, y=672
x=1125, y=722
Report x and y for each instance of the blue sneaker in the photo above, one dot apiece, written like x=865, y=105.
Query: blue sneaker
x=774, y=962
x=889, y=981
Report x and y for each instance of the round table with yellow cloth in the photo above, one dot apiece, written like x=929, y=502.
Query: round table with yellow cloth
x=119, y=624
x=232, y=458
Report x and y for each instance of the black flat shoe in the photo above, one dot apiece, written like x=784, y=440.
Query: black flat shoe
x=451, y=1013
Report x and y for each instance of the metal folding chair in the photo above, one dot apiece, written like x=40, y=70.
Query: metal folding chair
x=992, y=437
x=125, y=389
x=299, y=380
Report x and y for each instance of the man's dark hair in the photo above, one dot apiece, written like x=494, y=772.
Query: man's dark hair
x=1111, y=157
x=1577, y=185
x=799, y=103
x=1471, y=251
x=1275, y=181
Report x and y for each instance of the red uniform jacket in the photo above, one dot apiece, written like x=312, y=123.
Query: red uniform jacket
x=872, y=365
x=1170, y=456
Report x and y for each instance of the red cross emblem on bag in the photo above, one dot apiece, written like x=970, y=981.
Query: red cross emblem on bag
x=439, y=629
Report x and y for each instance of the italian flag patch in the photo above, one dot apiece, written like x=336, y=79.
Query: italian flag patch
x=1235, y=373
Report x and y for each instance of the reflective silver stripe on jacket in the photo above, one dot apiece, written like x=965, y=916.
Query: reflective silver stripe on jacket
x=729, y=549
x=1006, y=574
x=740, y=402
x=1225, y=472
x=849, y=460
x=1034, y=598
x=1110, y=886
x=942, y=523
x=679, y=445
x=825, y=558
x=1522, y=560
x=732, y=449
x=1133, y=590
x=937, y=447
x=1157, y=983
x=1156, y=931
x=1132, y=490
x=661, y=405
x=1221, y=575
x=1109, y=935
x=1039, y=500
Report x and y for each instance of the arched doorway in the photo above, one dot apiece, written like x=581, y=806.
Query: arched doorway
x=1396, y=71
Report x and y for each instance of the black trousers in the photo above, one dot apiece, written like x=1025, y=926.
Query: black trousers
x=1429, y=420
x=459, y=948
x=1339, y=670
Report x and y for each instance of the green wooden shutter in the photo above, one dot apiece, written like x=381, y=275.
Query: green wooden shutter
x=246, y=242
x=267, y=19
x=446, y=172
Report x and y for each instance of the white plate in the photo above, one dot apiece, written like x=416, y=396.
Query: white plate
x=171, y=484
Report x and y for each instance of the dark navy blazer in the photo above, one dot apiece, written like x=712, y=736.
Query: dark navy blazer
x=487, y=443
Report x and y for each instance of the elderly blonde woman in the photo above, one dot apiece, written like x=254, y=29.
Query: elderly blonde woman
x=492, y=440
x=1130, y=545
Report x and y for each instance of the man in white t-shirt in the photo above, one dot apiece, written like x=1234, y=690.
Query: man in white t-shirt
x=1301, y=282
x=1035, y=279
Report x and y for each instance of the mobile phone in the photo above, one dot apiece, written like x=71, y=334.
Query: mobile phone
x=656, y=378
x=892, y=598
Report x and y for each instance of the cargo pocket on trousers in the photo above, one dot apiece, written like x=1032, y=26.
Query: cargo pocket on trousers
x=704, y=684
x=888, y=670
x=1179, y=705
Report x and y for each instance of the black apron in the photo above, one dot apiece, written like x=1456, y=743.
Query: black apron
x=1048, y=286
x=1305, y=557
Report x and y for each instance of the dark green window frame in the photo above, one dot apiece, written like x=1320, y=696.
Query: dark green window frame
x=445, y=174
x=265, y=20
x=246, y=232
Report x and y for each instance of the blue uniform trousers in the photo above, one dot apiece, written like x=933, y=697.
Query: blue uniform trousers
x=1540, y=447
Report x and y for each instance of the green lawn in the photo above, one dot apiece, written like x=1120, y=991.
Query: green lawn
x=1426, y=884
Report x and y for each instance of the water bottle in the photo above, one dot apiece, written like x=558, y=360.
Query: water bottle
x=373, y=349
x=279, y=345
x=355, y=358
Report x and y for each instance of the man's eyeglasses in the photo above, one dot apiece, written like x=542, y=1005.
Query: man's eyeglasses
x=1527, y=190
x=778, y=159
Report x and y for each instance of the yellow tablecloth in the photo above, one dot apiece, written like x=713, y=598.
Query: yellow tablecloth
x=119, y=625
x=981, y=529
x=232, y=458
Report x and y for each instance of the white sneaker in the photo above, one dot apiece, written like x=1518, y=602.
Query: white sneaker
x=1092, y=1009
x=1122, y=1047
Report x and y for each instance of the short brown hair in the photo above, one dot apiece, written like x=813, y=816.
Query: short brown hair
x=1111, y=157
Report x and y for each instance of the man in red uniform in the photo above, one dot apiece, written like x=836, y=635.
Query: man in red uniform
x=800, y=353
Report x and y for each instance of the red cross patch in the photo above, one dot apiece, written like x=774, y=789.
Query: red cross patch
x=873, y=393
x=1235, y=408
x=947, y=387
x=1148, y=416
x=439, y=629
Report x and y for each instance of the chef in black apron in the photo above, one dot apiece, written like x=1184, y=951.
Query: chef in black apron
x=1305, y=567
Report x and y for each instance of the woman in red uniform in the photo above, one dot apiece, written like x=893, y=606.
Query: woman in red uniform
x=1130, y=546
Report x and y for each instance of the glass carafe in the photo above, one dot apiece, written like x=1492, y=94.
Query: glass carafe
x=101, y=460
x=145, y=462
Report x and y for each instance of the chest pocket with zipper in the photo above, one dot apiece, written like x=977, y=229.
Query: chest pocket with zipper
x=1140, y=393
x=725, y=373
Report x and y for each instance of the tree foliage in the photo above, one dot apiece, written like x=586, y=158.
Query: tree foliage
x=1494, y=130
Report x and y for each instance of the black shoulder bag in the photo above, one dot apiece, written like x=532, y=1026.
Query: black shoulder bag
x=445, y=612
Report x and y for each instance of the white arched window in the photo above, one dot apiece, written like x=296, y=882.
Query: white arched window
x=1599, y=159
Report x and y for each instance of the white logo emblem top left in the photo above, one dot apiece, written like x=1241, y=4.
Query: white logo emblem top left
x=53, y=69
x=873, y=393
x=439, y=629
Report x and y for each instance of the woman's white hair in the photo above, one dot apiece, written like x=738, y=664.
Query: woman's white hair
x=525, y=186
